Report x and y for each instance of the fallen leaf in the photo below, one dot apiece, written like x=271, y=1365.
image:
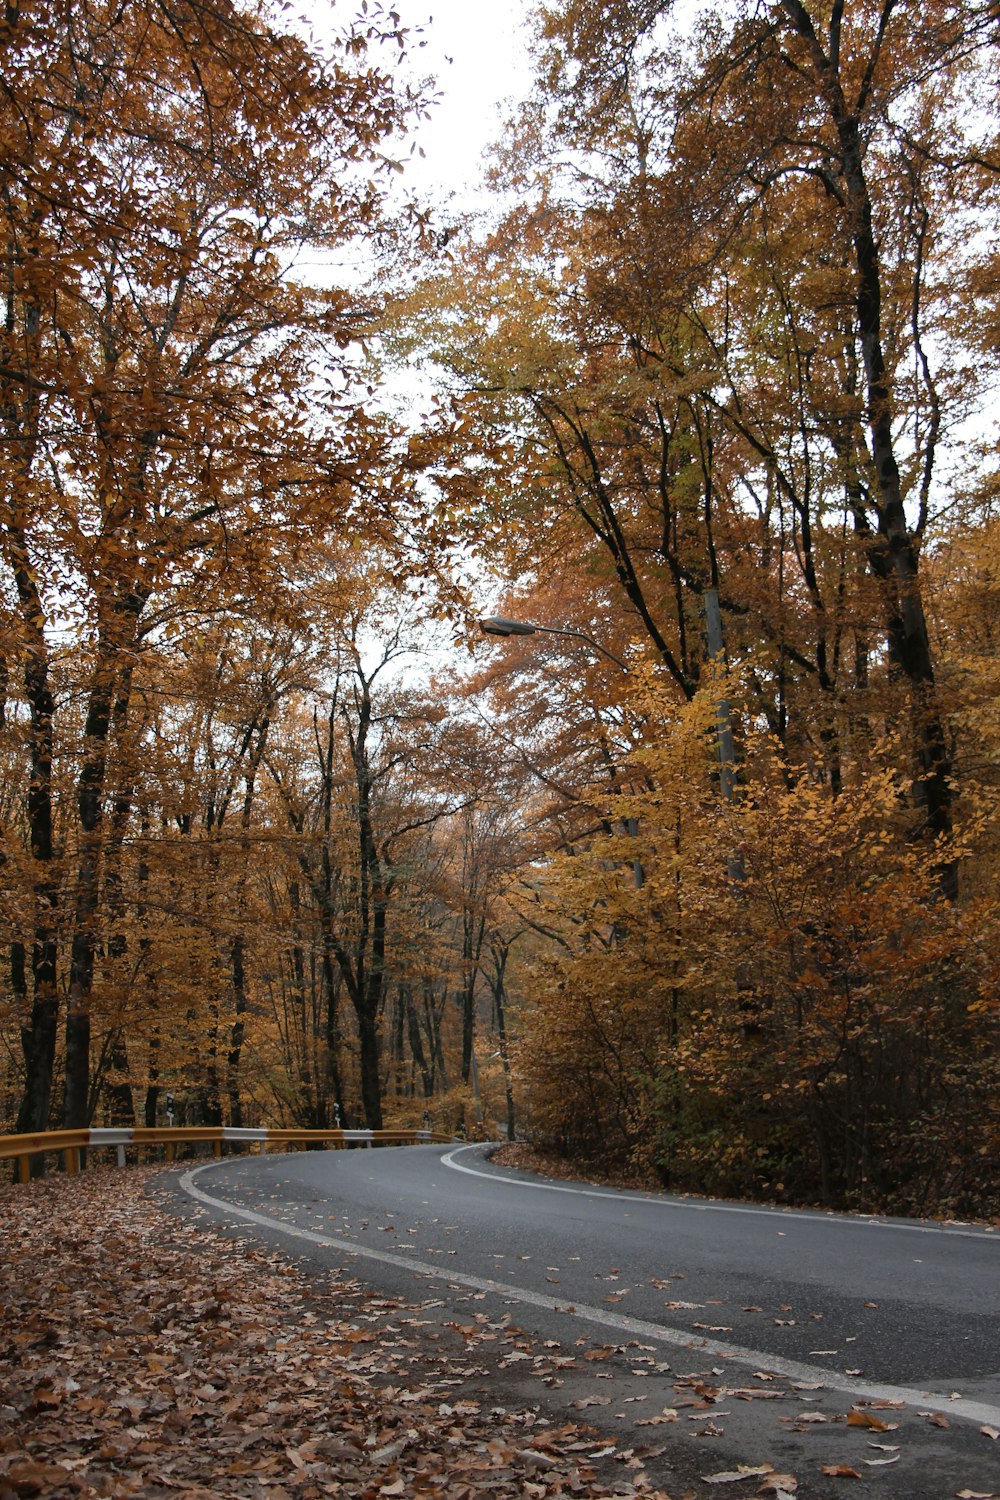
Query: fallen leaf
x=990, y=1432
x=195, y=1361
x=34, y=1478
x=840, y=1471
x=857, y=1418
x=734, y=1476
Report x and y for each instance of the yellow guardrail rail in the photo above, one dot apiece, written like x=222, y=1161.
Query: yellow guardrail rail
x=73, y=1143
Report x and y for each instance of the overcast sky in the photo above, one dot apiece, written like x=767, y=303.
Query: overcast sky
x=476, y=49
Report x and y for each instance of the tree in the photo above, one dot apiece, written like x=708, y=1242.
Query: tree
x=713, y=349
x=843, y=130
x=161, y=373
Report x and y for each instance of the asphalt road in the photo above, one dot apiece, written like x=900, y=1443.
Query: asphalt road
x=832, y=1311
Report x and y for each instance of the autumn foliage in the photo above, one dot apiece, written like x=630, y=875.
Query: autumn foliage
x=704, y=883
x=726, y=376
x=821, y=1026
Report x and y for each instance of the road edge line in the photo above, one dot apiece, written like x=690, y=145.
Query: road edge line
x=973, y=1411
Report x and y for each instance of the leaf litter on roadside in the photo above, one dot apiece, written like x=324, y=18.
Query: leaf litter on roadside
x=152, y=1358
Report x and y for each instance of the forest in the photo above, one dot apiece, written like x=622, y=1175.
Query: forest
x=697, y=879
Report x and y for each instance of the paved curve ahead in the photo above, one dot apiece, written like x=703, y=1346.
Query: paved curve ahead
x=871, y=1308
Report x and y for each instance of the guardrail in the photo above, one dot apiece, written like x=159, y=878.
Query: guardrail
x=73, y=1143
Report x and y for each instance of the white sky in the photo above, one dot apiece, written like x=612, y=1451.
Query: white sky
x=476, y=50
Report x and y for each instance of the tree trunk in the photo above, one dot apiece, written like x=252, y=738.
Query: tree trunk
x=499, y=996
x=331, y=1031
x=417, y=1046
x=90, y=799
x=237, y=1032
x=33, y=1112
x=371, y=1093
x=895, y=553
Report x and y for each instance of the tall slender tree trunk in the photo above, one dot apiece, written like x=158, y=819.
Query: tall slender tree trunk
x=237, y=949
x=331, y=1028
x=894, y=553
x=417, y=1046
x=109, y=694
x=152, y=1087
x=500, y=954
x=238, y=1030
x=473, y=932
x=371, y=1090
x=40, y=1048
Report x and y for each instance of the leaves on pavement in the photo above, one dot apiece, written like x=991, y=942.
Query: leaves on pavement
x=158, y=1359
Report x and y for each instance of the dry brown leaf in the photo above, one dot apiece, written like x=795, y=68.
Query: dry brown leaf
x=857, y=1418
x=840, y=1471
x=29, y=1478
x=205, y=1367
x=734, y=1476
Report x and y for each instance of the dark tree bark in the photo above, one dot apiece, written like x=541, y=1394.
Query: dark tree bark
x=894, y=552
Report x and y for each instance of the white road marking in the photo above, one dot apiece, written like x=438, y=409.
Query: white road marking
x=678, y=1338
x=697, y=1206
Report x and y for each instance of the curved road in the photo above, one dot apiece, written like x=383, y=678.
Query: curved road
x=860, y=1309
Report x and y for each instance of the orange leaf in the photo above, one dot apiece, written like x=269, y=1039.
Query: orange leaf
x=865, y=1419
